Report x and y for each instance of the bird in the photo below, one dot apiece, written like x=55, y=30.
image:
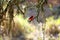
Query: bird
x=31, y=18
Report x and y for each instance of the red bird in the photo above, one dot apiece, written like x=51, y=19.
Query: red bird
x=31, y=18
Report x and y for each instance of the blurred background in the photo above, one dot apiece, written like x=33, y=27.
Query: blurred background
x=29, y=19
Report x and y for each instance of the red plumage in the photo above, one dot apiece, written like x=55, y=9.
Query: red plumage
x=31, y=18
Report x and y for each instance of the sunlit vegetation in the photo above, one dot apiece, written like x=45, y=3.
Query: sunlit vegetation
x=15, y=25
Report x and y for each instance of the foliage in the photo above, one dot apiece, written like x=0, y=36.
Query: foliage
x=29, y=30
x=51, y=21
x=22, y=23
x=0, y=38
